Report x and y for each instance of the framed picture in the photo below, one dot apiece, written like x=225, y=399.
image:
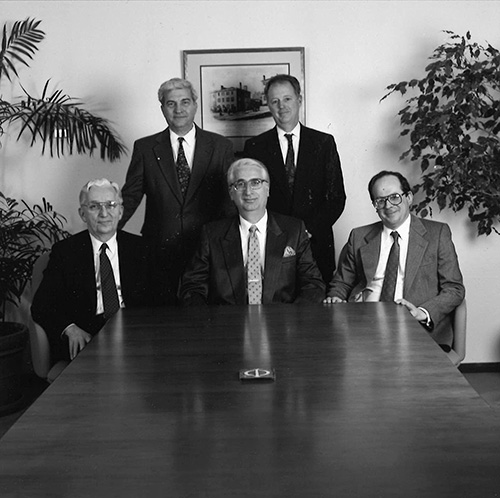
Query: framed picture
x=230, y=86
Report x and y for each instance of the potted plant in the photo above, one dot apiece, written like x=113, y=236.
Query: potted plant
x=26, y=233
x=452, y=119
x=63, y=126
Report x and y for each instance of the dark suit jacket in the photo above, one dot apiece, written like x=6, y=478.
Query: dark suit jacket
x=318, y=197
x=169, y=220
x=432, y=276
x=67, y=293
x=216, y=274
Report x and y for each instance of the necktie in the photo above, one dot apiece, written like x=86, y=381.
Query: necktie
x=108, y=285
x=254, y=274
x=391, y=271
x=290, y=161
x=183, y=171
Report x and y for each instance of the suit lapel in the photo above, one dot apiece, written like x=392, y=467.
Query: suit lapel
x=275, y=247
x=88, y=282
x=166, y=165
x=202, y=158
x=370, y=252
x=233, y=258
x=276, y=166
x=417, y=245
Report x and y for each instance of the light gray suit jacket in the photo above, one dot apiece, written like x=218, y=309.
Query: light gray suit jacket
x=432, y=276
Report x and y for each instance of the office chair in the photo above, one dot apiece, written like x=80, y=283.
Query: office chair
x=457, y=353
x=39, y=343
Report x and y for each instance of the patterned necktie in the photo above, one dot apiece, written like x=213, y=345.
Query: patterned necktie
x=108, y=285
x=254, y=275
x=183, y=171
x=290, y=162
x=391, y=271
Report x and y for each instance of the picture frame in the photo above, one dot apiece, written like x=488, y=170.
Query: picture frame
x=230, y=87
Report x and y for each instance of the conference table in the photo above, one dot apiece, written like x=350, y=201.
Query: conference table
x=343, y=400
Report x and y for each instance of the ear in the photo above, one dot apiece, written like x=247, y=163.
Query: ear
x=82, y=214
x=410, y=197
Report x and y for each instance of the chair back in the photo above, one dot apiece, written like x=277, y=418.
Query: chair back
x=39, y=343
x=457, y=353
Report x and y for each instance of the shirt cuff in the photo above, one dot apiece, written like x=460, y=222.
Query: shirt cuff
x=427, y=323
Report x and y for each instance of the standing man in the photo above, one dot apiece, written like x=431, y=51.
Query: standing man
x=304, y=166
x=90, y=275
x=181, y=171
x=257, y=257
x=401, y=258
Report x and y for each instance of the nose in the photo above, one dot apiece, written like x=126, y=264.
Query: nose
x=248, y=188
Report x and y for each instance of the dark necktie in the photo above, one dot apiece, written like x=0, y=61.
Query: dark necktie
x=254, y=274
x=108, y=285
x=290, y=161
x=183, y=171
x=391, y=271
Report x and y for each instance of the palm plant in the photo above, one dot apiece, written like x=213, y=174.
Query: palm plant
x=63, y=127
x=56, y=119
x=27, y=232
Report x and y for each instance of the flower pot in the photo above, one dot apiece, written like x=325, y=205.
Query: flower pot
x=13, y=339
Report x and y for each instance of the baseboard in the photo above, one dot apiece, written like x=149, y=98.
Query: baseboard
x=479, y=367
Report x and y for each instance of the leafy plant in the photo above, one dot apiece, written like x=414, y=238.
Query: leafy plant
x=27, y=232
x=453, y=123
x=56, y=119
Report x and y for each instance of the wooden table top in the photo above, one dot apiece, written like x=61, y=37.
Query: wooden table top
x=364, y=404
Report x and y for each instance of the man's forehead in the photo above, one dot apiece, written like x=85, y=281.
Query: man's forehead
x=389, y=183
x=178, y=94
x=99, y=192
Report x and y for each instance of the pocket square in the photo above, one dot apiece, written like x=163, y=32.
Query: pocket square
x=289, y=251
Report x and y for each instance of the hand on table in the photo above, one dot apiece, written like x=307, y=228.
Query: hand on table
x=77, y=339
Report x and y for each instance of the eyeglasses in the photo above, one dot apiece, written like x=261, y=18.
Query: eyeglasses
x=394, y=199
x=95, y=207
x=255, y=184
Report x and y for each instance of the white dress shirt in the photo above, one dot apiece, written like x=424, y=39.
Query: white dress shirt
x=112, y=253
x=374, y=289
x=188, y=144
x=284, y=142
x=261, y=236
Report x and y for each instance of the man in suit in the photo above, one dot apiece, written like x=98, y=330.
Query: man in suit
x=255, y=257
x=304, y=166
x=181, y=171
x=77, y=295
x=426, y=275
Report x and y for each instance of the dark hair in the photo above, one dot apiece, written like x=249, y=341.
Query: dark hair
x=405, y=186
x=283, y=78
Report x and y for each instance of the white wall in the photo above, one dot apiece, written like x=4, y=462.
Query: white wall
x=114, y=55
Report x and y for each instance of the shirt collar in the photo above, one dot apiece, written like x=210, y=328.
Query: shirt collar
x=295, y=132
x=96, y=244
x=403, y=230
x=261, y=224
x=189, y=137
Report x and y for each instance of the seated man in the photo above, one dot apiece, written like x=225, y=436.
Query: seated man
x=90, y=275
x=403, y=258
x=255, y=257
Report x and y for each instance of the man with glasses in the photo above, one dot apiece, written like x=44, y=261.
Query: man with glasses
x=90, y=275
x=257, y=257
x=304, y=166
x=405, y=259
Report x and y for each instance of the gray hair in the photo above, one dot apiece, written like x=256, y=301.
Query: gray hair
x=99, y=182
x=245, y=161
x=175, y=84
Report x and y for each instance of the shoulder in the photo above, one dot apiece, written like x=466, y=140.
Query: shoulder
x=128, y=238
x=286, y=222
x=433, y=227
x=211, y=137
x=316, y=136
x=151, y=139
x=262, y=138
